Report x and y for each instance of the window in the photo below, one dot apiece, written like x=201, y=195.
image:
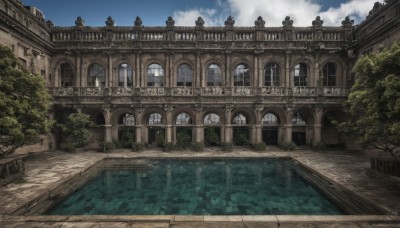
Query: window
x=125, y=75
x=67, y=75
x=242, y=75
x=239, y=119
x=214, y=75
x=271, y=77
x=96, y=76
x=300, y=75
x=155, y=75
x=185, y=75
x=298, y=119
x=270, y=120
x=183, y=119
x=329, y=73
x=127, y=119
x=155, y=119
x=211, y=119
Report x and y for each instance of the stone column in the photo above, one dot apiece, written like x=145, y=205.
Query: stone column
x=288, y=82
x=288, y=125
x=107, y=125
x=139, y=126
x=199, y=132
x=255, y=79
x=317, y=125
x=168, y=129
x=138, y=73
x=228, y=126
x=228, y=79
x=197, y=73
x=110, y=71
x=257, y=126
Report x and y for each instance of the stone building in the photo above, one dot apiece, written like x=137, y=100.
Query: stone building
x=244, y=84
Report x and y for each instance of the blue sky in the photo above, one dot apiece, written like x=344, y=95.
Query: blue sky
x=185, y=12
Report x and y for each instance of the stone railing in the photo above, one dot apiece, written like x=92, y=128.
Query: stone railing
x=11, y=168
x=203, y=91
x=101, y=34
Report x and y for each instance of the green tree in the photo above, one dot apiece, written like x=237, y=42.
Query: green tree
x=24, y=104
x=76, y=128
x=373, y=105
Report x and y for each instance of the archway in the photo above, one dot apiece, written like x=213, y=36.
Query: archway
x=299, y=130
x=183, y=130
x=156, y=131
x=126, y=130
x=212, y=130
x=240, y=127
x=270, y=129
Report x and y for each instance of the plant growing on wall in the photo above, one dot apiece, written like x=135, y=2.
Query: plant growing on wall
x=24, y=104
x=373, y=105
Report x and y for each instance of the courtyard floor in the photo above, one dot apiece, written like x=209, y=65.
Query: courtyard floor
x=45, y=171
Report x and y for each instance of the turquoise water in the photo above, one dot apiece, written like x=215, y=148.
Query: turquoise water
x=193, y=187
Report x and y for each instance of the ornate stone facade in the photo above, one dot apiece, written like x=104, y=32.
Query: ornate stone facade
x=267, y=84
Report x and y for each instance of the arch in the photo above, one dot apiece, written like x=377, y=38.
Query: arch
x=299, y=119
x=96, y=75
x=183, y=118
x=270, y=119
x=242, y=75
x=212, y=119
x=329, y=73
x=126, y=119
x=125, y=75
x=184, y=75
x=240, y=118
x=301, y=74
x=214, y=75
x=67, y=74
x=155, y=75
x=272, y=74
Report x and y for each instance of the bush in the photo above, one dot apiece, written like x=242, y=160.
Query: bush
x=259, y=146
x=137, y=147
x=198, y=147
x=291, y=146
x=227, y=147
x=168, y=147
x=183, y=140
x=107, y=147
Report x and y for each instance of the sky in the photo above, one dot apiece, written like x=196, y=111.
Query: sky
x=214, y=12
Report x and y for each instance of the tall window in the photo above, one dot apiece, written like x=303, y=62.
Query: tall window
x=270, y=120
x=155, y=75
x=214, y=75
x=96, y=76
x=271, y=77
x=183, y=119
x=125, y=75
x=67, y=75
x=185, y=75
x=239, y=119
x=329, y=73
x=300, y=74
x=241, y=75
x=155, y=119
x=127, y=119
x=211, y=119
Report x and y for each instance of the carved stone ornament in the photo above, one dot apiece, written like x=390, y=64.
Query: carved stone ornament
x=110, y=22
x=347, y=23
x=199, y=23
x=170, y=22
x=50, y=24
x=229, y=22
x=79, y=22
x=377, y=6
x=317, y=23
x=287, y=23
x=138, y=22
x=259, y=23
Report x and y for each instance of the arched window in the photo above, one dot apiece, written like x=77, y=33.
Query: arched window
x=241, y=75
x=125, y=75
x=270, y=120
x=127, y=119
x=155, y=75
x=300, y=75
x=272, y=76
x=67, y=75
x=298, y=119
x=185, y=75
x=96, y=76
x=183, y=119
x=329, y=73
x=211, y=119
x=155, y=119
x=214, y=75
x=239, y=119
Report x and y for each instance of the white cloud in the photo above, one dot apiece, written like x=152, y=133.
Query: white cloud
x=302, y=12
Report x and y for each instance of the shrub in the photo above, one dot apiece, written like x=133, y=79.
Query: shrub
x=259, y=146
x=168, y=147
x=291, y=146
x=183, y=140
x=198, y=146
x=227, y=147
x=136, y=147
x=107, y=147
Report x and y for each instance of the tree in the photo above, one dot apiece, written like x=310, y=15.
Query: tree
x=373, y=105
x=24, y=104
x=76, y=129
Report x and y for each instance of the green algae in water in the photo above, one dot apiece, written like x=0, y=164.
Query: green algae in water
x=199, y=187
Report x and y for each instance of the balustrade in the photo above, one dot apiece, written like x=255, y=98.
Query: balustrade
x=304, y=91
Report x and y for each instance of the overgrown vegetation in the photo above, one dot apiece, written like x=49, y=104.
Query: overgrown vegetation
x=373, y=105
x=211, y=137
x=24, y=104
x=227, y=147
x=259, y=146
x=76, y=129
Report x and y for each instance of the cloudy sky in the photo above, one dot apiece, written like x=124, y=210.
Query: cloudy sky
x=214, y=12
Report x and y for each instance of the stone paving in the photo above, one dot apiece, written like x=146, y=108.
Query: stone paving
x=45, y=171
